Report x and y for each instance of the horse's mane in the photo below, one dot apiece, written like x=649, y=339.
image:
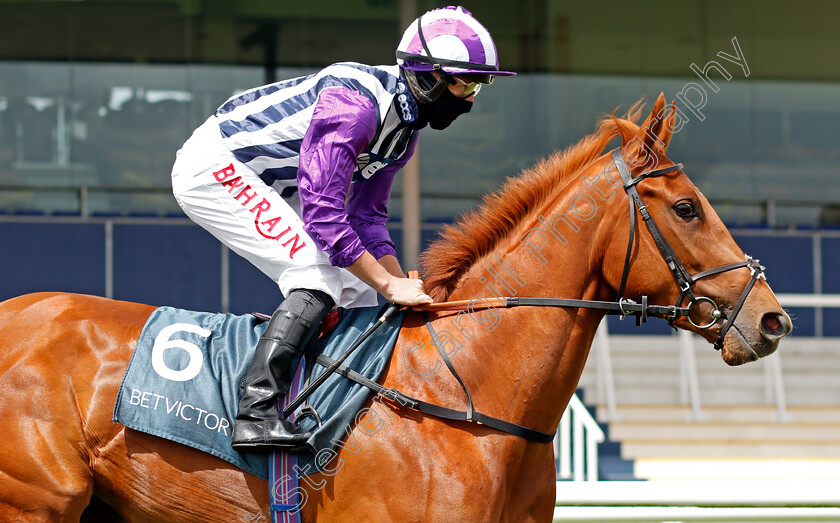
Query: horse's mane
x=477, y=232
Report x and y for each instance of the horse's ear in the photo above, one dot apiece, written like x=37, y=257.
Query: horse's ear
x=653, y=126
x=667, y=130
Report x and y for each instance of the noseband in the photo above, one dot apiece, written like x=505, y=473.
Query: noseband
x=685, y=281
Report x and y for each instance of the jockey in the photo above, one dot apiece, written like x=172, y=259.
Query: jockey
x=295, y=177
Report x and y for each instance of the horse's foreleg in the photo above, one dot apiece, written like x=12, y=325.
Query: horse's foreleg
x=45, y=470
x=99, y=511
x=39, y=483
x=531, y=496
x=148, y=479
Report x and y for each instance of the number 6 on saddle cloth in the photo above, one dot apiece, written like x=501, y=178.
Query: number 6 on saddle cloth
x=208, y=354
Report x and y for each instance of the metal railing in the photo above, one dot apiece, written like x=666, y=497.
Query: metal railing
x=576, y=443
x=80, y=195
x=689, y=381
x=620, y=501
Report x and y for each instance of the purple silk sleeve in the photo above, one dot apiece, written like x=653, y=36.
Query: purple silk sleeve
x=343, y=124
x=368, y=207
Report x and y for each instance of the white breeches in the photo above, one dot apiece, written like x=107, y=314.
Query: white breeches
x=230, y=201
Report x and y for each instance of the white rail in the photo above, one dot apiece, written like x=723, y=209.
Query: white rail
x=604, y=377
x=576, y=443
x=809, y=300
x=621, y=501
x=689, y=383
x=618, y=514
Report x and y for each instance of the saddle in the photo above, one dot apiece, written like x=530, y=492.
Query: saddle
x=182, y=382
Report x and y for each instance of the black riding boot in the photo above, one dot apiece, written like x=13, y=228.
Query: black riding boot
x=259, y=425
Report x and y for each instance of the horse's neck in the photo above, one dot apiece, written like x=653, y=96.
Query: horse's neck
x=528, y=360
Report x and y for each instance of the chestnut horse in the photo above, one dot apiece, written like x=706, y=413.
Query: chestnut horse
x=560, y=230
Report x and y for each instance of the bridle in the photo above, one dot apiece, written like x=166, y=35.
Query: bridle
x=684, y=279
x=623, y=306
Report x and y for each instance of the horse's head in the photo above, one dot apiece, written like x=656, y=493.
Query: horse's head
x=730, y=302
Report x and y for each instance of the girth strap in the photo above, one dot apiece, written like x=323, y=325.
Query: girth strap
x=470, y=414
x=445, y=358
x=436, y=410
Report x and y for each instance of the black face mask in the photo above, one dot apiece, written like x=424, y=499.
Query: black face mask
x=440, y=114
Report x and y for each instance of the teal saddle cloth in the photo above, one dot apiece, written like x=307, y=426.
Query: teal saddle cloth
x=184, y=376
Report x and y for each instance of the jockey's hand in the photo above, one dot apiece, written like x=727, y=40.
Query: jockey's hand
x=396, y=289
x=405, y=291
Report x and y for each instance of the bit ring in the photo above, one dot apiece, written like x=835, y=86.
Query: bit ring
x=716, y=313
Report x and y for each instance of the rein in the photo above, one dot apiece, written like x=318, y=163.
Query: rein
x=623, y=306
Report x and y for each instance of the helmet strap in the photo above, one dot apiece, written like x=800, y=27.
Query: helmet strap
x=426, y=95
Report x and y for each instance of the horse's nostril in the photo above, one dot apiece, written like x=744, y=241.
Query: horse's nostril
x=775, y=325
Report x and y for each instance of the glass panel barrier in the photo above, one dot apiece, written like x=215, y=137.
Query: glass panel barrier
x=762, y=151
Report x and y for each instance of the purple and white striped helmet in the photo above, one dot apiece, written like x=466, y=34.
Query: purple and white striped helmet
x=449, y=39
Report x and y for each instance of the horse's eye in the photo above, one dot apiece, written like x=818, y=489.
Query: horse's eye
x=685, y=209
